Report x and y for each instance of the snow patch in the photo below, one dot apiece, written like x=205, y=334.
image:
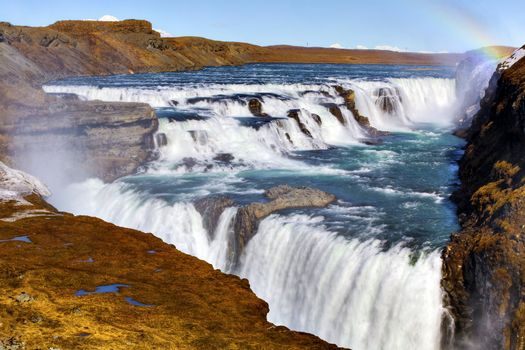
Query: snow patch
x=163, y=33
x=336, y=46
x=108, y=18
x=15, y=184
x=512, y=59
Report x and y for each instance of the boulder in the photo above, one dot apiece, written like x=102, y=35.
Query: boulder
x=255, y=107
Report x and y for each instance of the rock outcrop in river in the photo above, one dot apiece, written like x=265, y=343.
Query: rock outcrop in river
x=484, y=265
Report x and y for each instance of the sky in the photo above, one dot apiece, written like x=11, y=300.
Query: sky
x=405, y=25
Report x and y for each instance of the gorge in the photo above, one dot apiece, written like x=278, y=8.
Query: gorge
x=350, y=250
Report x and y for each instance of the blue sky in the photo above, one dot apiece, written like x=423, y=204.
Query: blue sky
x=414, y=25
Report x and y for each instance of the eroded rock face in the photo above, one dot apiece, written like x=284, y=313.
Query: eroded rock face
x=82, y=139
x=294, y=114
x=211, y=209
x=282, y=197
x=349, y=97
x=484, y=265
x=336, y=112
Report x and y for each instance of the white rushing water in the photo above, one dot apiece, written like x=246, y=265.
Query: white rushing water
x=347, y=291
x=413, y=101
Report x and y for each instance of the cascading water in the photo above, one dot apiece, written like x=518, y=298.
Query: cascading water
x=363, y=272
x=347, y=291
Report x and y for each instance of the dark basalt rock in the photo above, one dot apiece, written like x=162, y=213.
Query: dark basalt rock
x=161, y=139
x=313, y=92
x=256, y=123
x=349, y=97
x=255, y=107
x=294, y=114
x=211, y=209
x=224, y=158
x=335, y=111
x=484, y=264
x=317, y=119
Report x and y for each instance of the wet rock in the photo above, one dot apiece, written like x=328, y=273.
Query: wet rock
x=483, y=264
x=255, y=107
x=336, y=112
x=314, y=92
x=317, y=119
x=189, y=162
x=282, y=197
x=224, y=158
x=294, y=114
x=349, y=97
x=199, y=136
x=161, y=139
x=211, y=208
x=388, y=99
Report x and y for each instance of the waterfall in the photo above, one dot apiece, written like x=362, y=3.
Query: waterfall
x=202, y=122
x=221, y=246
x=360, y=293
x=348, y=292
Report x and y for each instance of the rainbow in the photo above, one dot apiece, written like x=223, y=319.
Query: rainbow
x=462, y=22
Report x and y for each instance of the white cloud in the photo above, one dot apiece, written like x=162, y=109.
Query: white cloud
x=163, y=33
x=336, y=46
x=108, y=18
x=361, y=47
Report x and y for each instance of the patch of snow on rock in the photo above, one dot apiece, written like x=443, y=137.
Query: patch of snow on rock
x=163, y=33
x=15, y=184
x=108, y=18
x=512, y=59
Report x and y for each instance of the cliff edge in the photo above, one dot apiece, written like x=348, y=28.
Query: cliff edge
x=76, y=282
x=484, y=264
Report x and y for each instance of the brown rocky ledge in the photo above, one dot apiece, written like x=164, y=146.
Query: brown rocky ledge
x=47, y=257
x=484, y=264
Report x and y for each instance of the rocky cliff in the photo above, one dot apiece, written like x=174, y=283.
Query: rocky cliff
x=484, y=265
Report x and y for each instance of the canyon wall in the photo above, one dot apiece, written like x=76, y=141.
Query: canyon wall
x=484, y=264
